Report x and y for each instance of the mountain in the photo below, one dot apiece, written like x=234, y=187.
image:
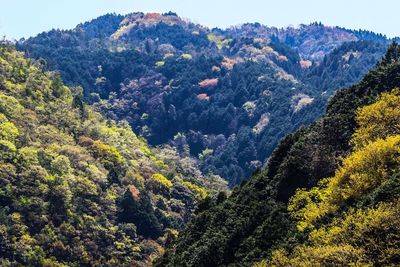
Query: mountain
x=78, y=189
x=224, y=97
x=329, y=195
x=312, y=42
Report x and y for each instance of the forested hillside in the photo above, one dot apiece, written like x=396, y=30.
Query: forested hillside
x=224, y=97
x=77, y=189
x=329, y=196
x=129, y=162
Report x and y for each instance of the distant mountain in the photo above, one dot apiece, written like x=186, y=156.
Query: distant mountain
x=329, y=195
x=312, y=42
x=225, y=97
x=77, y=189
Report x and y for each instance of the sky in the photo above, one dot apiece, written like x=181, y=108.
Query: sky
x=25, y=18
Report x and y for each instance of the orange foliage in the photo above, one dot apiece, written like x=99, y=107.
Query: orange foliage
x=305, y=64
x=209, y=83
x=203, y=97
x=152, y=16
x=134, y=192
x=228, y=63
x=282, y=58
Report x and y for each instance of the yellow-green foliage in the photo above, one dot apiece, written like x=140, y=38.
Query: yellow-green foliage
x=159, y=162
x=133, y=178
x=144, y=148
x=160, y=180
x=29, y=156
x=66, y=174
x=378, y=120
x=375, y=229
x=8, y=131
x=160, y=63
x=200, y=192
x=362, y=237
x=107, y=152
x=205, y=153
x=375, y=157
x=219, y=40
x=357, y=235
x=187, y=56
x=342, y=255
x=10, y=106
x=7, y=150
x=361, y=171
x=168, y=55
x=120, y=32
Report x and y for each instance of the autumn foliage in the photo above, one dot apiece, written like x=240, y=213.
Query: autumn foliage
x=203, y=97
x=208, y=83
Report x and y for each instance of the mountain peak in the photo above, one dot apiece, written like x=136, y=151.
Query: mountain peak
x=140, y=20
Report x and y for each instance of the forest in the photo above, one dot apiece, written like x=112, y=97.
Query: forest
x=225, y=97
x=329, y=196
x=78, y=189
x=150, y=140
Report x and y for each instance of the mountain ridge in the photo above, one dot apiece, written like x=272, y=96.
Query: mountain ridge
x=154, y=76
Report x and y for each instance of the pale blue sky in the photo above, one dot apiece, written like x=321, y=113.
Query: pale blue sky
x=24, y=18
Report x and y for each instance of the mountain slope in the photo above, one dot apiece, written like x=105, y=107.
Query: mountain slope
x=226, y=97
x=78, y=189
x=352, y=217
x=254, y=221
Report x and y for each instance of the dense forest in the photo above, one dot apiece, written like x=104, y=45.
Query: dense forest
x=223, y=97
x=329, y=196
x=150, y=140
x=77, y=189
